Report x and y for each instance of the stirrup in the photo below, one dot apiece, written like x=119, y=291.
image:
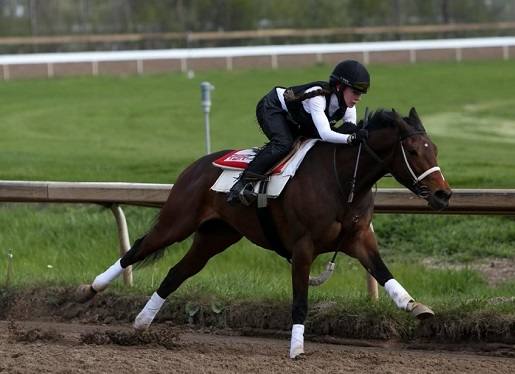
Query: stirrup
x=247, y=195
x=242, y=192
x=233, y=197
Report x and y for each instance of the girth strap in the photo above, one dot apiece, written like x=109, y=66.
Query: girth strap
x=268, y=224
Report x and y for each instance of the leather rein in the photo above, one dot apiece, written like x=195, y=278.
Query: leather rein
x=416, y=187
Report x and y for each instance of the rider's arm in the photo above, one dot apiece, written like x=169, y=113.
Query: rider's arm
x=350, y=115
x=315, y=106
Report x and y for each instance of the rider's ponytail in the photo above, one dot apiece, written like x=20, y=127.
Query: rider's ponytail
x=291, y=97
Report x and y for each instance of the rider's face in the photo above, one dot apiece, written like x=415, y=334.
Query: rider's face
x=351, y=96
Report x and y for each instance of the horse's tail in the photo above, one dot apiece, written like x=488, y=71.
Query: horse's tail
x=133, y=253
x=150, y=259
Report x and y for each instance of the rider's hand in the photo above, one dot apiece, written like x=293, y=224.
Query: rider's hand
x=359, y=136
x=346, y=128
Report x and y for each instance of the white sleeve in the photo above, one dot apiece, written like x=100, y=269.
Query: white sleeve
x=315, y=106
x=350, y=115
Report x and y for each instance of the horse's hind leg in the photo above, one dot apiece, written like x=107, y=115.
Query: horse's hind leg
x=166, y=232
x=210, y=239
x=364, y=248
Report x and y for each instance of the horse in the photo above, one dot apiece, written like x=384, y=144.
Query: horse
x=313, y=215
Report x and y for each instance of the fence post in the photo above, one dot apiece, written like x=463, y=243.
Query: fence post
x=123, y=237
x=373, y=291
x=9, y=273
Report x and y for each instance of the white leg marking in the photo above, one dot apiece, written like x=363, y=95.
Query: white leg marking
x=297, y=341
x=147, y=314
x=102, y=280
x=398, y=294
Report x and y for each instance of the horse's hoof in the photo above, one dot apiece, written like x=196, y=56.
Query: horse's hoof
x=420, y=311
x=296, y=355
x=296, y=351
x=85, y=293
x=142, y=321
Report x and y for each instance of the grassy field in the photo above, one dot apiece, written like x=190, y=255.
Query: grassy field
x=147, y=129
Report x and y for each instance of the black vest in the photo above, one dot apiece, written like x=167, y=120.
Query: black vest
x=303, y=119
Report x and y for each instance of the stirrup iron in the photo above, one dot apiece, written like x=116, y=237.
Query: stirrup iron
x=247, y=195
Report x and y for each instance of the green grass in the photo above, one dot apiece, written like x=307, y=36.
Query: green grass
x=147, y=129
x=68, y=245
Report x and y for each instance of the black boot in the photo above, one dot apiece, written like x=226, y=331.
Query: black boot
x=243, y=190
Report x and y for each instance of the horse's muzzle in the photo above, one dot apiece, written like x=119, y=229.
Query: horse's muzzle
x=439, y=200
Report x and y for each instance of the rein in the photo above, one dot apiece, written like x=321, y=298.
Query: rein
x=417, y=189
x=370, y=152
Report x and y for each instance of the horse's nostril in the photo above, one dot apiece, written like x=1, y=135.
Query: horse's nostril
x=442, y=194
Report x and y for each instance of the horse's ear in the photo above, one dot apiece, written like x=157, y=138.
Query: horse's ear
x=413, y=116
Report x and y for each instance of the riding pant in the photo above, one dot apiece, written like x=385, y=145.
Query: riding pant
x=281, y=132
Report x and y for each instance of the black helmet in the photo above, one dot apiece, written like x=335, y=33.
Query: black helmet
x=351, y=73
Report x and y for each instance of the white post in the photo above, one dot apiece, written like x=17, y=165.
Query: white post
x=205, y=95
x=123, y=236
x=373, y=291
x=9, y=274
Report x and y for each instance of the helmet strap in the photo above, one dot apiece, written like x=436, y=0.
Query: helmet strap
x=338, y=91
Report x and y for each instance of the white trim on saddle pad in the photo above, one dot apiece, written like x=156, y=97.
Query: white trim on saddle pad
x=277, y=181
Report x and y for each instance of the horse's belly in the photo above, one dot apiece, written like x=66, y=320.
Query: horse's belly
x=330, y=237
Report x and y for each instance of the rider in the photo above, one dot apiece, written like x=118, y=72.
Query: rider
x=309, y=110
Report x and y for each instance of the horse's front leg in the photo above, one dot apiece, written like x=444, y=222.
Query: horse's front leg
x=302, y=259
x=364, y=248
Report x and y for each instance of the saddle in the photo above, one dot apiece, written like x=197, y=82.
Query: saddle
x=240, y=159
x=234, y=162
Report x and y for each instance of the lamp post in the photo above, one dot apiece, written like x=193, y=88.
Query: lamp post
x=205, y=96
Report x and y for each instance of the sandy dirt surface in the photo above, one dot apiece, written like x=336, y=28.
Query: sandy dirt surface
x=50, y=347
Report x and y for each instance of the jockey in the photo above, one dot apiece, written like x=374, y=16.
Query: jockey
x=309, y=110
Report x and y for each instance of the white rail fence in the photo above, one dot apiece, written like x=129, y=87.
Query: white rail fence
x=391, y=200
x=274, y=56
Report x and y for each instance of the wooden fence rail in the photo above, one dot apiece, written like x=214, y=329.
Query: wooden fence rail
x=387, y=200
x=255, y=34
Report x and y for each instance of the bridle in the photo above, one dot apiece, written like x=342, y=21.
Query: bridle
x=417, y=188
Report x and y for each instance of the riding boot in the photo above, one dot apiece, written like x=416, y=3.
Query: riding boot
x=243, y=190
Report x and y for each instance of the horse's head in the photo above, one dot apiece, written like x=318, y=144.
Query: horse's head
x=414, y=160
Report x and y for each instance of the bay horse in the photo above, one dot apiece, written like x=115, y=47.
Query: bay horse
x=312, y=215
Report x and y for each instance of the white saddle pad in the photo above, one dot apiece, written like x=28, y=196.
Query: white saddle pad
x=277, y=181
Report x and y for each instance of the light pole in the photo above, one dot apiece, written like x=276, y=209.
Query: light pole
x=205, y=95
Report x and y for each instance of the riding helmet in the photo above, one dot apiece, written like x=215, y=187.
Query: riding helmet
x=351, y=73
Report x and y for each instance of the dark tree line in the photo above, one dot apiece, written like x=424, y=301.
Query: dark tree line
x=72, y=17
x=51, y=17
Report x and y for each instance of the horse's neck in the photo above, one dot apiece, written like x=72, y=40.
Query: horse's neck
x=370, y=170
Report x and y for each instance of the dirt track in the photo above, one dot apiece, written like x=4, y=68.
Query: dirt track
x=49, y=347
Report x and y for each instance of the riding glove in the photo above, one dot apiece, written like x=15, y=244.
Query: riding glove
x=359, y=136
x=346, y=128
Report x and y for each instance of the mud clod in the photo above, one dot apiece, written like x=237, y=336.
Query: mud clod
x=18, y=334
x=164, y=338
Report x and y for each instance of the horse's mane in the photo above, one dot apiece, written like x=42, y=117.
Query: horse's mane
x=383, y=118
x=379, y=119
